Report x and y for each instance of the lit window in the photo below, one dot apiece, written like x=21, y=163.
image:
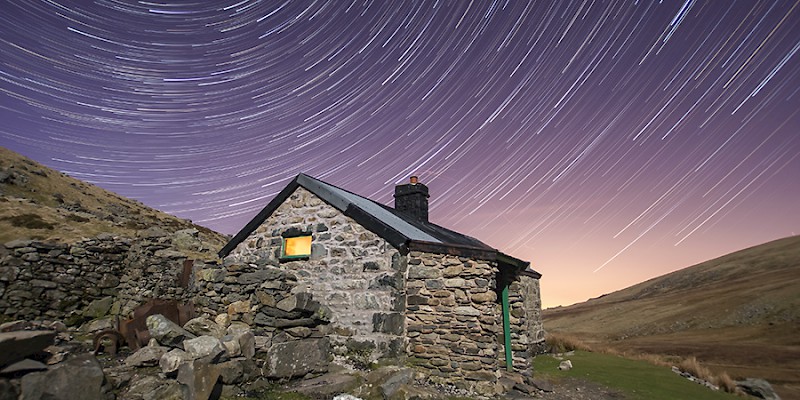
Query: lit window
x=296, y=247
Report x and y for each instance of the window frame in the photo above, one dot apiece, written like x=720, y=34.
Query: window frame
x=292, y=234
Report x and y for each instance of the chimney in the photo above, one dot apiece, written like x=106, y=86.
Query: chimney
x=412, y=199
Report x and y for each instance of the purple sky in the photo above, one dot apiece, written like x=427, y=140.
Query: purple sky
x=606, y=142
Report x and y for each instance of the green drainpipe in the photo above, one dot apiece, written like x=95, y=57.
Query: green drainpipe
x=507, y=329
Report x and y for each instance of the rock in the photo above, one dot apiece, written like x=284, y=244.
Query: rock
x=467, y=311
x=223, y=320
x=199, y=378
x=147, y=356
x=237, y=327
x=541, y=384
x=484, y=297
x=423, y=272
x=302, y=302
x=16, y=244
x=210, y=275
x=231, y=345
x=8, y=391
x=239, y=307
x=282, y=359
x=167, y=332
x=299, y=331
x=346, y=396
x=391, y=323
x=203, y=326
x=15, y=346
x=394, y=381
x=172, y=360
x=327, y=385
x=240, y=344
x=80, y=377
x=152, y=388
x=231, y=372
x=206, y=348
x=758, y=387
x=565, y=365
x=98, y=325
x=12, y=326
x=23, y=366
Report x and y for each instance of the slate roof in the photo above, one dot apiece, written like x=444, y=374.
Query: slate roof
x=401, y=231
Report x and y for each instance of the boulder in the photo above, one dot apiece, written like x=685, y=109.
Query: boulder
x=297, y=358
x=17, y=345
x=147, y=356
x=23, y=367
x=240, y=344
x=203, y=326
x=231, y=372
x=758, y=387
x=327, y=385
x=397, y=379
x=153, y=388
x=206, y=348
x=167, y=332
x=8, y=391
x=80, y=377
x=200, y=380
x=172, y=360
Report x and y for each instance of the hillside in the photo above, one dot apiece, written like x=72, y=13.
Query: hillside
x=739, y=313
x=40, y=203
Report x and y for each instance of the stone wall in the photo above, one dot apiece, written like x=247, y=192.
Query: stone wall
x=532, y=305
x=351, y=271
x=527, y=332
x=452, y=321
x=88, y=279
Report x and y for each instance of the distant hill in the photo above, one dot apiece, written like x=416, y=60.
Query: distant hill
x=739, y=313
x=39, y=203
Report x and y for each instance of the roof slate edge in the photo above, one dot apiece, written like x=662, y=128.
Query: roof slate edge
x=260, y=217
x=395, y=238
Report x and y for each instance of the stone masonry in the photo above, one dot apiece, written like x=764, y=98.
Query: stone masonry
x=88, y=279
x=352, y=271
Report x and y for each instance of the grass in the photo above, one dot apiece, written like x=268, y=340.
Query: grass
x=636, y=379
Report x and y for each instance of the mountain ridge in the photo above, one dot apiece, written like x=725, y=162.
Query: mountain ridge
x=40, y=203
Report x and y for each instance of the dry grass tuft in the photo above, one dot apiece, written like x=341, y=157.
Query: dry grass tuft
x=692, y=366
x=561, y=343
x=727, y=384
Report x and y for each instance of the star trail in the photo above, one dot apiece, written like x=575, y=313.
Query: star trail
x=606, y=141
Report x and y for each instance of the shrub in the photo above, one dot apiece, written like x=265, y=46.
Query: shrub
x=77, y=218
x=30, y=221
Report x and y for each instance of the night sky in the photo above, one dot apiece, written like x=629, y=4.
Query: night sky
x=606, y=142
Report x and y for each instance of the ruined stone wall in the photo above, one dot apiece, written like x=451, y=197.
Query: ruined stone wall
x=351, y=271
x=106, y=275
x=452, y=319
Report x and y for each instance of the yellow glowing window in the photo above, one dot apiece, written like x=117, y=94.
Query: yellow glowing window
x=295, y=247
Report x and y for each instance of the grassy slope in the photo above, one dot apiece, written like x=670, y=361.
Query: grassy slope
x=636, y=379
x=39, y=203
x=739, y=313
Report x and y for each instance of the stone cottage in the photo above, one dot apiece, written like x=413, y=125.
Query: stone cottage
x=397, y=283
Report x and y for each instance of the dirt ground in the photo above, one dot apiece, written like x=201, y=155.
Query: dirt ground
x=579, y=389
